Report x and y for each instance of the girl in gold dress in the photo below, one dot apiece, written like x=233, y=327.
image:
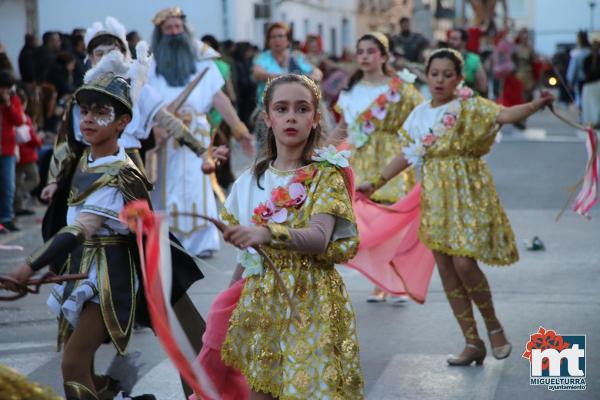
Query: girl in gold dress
x=462, y=220
x=295, y=204
x=373, y=109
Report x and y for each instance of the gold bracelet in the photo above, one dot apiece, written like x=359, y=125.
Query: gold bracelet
x=378, y=182
x=280, y=236
x=239, y=130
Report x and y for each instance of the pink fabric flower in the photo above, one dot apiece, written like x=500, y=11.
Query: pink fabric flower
x=379, y=112
x=449, y=120
x=393, y=96
x=280, y=216
x=429, y=139
x=464, y=92
x=368, y=127
x=297, y=194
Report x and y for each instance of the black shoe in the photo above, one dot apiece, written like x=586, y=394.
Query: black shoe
x=24, y=212
x=10, y=226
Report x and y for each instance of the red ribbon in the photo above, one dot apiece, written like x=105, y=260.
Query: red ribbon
x=156, y=279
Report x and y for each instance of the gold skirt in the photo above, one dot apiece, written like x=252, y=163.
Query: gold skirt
x=313, y=359
x=461, y=213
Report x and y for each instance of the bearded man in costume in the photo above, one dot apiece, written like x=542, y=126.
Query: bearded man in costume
x=178, y=59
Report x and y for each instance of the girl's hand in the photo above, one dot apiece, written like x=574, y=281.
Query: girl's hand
x=546, y=98
x=366, y=188
x=48, y=191
x=20, y=274
x=247, y=236
x=220, y=153
x=247, y=144
x=160, y=135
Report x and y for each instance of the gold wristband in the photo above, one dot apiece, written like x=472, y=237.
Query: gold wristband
x=280, y=236
x=378, y=182
x=239, y=130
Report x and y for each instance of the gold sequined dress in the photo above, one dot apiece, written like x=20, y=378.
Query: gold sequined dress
x=374, y=114
x=317, y=358
x=461, y=213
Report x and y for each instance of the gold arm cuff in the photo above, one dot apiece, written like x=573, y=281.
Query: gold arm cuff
x=378, y=182
x=239, y=130
x=280, y=236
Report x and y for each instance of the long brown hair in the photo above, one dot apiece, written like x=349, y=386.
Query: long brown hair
x=269, y=149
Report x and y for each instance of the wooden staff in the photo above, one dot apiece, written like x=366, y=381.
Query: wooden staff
x=33, y=285
x=222, y=227
x=176, y=104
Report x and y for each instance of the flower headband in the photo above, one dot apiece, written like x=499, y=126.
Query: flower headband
x=456, y=53
x=314, y=88
x=382, y=39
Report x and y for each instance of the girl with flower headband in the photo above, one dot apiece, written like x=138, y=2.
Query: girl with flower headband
x=461, y=220
x=373, y=107
x=296, y=204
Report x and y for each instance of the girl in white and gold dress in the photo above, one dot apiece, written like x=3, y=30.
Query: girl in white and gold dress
x=462, y=220
x=295, y=204
x=373, y=109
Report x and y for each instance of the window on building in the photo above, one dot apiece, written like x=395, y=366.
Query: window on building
x=333, y=41
x=346, y=39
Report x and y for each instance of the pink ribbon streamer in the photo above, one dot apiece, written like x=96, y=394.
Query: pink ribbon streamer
x=155, y=259
x=588, y=195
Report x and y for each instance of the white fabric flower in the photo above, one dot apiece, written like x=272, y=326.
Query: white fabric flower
x=360, y=140
x=407, y=76
x=438, y=129
x=332, y=156
x=414, y=153
x=251, y=261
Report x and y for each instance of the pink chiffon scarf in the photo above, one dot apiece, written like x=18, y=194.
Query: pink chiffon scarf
x=229, y=382
x=390, y=252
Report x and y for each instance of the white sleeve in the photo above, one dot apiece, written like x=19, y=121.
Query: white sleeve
x=408, y=125
x=149, y=103
x=213, y=80
x=342, y=102
x=106, y=201
x=231, y=203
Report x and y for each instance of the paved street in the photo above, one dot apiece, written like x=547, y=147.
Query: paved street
x=404, y=348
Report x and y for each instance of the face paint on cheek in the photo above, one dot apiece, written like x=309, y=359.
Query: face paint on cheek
x=105, y=120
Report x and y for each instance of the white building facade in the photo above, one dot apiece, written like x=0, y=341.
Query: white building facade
x=333, y=20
